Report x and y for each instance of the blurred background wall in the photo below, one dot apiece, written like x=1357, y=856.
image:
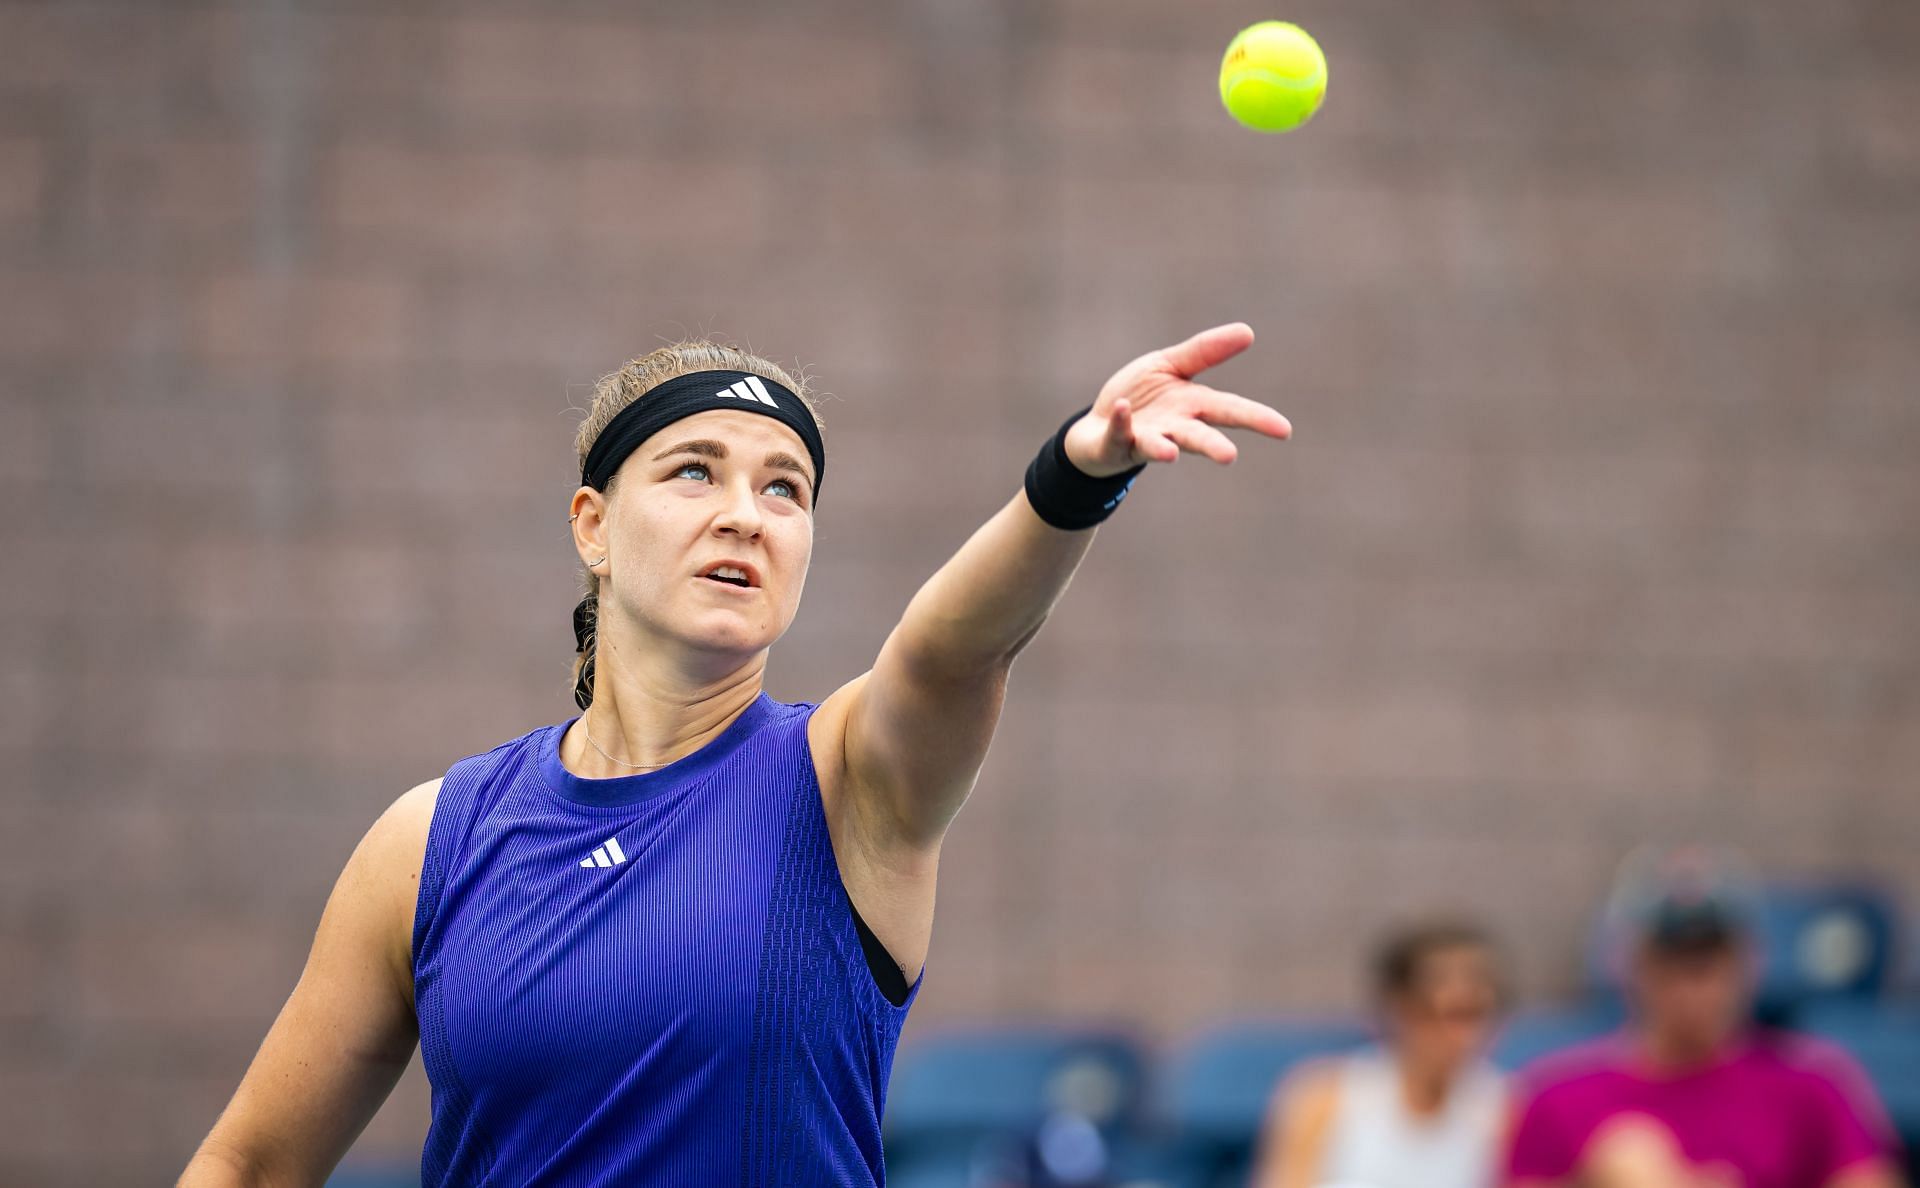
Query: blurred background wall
x=1600, y=325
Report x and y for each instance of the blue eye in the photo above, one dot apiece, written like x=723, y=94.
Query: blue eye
x=784, y=489
x=694, y=470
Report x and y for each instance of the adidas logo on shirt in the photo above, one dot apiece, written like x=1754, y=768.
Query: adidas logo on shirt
x=607, y=855
x=748, y=389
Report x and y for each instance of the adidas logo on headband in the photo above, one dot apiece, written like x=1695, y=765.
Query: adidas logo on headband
x=748, y=389
x=687, y=395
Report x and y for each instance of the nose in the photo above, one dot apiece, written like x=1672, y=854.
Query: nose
x=740, y=513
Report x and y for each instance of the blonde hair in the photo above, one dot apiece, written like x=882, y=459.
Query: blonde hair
x=615, y=392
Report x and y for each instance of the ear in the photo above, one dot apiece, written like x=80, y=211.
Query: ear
x=589, y=523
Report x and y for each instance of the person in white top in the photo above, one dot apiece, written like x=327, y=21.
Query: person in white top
x=1423, y=1110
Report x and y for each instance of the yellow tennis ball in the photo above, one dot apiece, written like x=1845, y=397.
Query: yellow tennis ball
x=1273, y=77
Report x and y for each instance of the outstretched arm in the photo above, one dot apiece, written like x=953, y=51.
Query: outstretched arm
x=913, y=732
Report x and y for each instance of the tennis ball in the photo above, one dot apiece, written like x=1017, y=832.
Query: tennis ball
x=1273, y=77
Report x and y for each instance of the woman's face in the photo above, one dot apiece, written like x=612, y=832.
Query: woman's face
x=1447, y=1017
x=709, y=532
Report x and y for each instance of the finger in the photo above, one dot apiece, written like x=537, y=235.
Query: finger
x=1155, y=447
x=1198, y=437
x=1120, y=429
x=1207, y=349
x=1238, y=412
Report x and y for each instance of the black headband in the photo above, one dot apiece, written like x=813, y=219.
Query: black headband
x=703, y=391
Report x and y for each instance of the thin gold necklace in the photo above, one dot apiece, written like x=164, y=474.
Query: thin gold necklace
x=588, y=727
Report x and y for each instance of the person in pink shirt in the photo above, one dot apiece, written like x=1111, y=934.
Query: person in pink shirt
x=1691, y=1094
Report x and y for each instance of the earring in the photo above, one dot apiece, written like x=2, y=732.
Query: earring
x=596, y=564
x=573, y=517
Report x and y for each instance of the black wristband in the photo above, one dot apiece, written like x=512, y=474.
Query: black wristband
x=1064, y=495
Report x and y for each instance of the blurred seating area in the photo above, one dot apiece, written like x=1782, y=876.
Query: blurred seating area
x=1058, y=1105
x=1062, y=1105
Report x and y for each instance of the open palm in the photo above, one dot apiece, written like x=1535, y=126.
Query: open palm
x=1153, y=411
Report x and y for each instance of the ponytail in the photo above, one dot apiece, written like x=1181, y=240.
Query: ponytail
x=586, y=626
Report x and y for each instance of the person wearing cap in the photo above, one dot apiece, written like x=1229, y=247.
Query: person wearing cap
x=1692, y=1094
x=673, y=940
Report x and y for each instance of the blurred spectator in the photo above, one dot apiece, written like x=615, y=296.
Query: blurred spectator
x=1425, y=1109
x=1692, y=1094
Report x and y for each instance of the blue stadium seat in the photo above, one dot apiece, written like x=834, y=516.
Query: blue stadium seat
x=1136, y=1162
x=961, y=1097
x=375, y=1176
x=925, y=1168
x=1008, y=1079
x=1529, y=1035
x=1142, y=1162
x=1825, y=942
x=1218, y=1089
x=1885, y=1039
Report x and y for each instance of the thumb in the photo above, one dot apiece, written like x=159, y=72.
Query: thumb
x=1207, y=349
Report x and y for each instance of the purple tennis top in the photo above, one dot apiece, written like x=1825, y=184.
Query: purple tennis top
x=1780, y=1111
x=650, y=979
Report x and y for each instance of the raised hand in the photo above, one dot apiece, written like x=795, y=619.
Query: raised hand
x=1152, y=411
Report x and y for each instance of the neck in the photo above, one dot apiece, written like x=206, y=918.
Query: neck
x=1673, y=1050
x=647, y=716
x=1424, y=1086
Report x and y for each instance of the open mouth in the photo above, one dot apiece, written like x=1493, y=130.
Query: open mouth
x=732, y=575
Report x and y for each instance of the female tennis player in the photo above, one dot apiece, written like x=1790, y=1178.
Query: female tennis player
x=669, y=941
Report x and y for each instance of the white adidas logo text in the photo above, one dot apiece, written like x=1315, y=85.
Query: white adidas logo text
x=607, y=855
x=748, y=389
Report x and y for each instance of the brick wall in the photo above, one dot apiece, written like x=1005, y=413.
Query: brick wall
x=1598, y=323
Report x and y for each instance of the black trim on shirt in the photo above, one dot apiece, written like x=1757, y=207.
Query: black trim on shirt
x=887, y=973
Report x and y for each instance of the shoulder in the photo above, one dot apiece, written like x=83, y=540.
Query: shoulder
x=1832, y=1093
x=791, y=715
x=788, y=729
x=389, y=857
x=509, y=754
x=1312, y=1088
x=473, y=786
x=1554, y=1105
x=371, y=909
x=1805, y=1055
x=405, y=822
x=1594, y=1058
x=1812, y=1062
x=1571, y=1073
x=1320, y=1076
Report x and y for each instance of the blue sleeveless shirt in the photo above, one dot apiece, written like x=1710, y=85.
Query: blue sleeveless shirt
x=651, y=979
